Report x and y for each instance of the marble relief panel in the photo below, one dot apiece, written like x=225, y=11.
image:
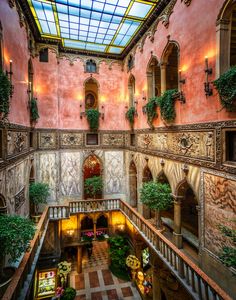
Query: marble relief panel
x=113, y=139
x=70, y=183
x=17, y=142
x=190, y=143
x=47, y=140
x=71, y=139
x=48, y=172
x=219, y=209
x=114, y=172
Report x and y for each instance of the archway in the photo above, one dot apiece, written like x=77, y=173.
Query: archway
x=131, y=88
x=147, y=176
x=168, y=214
x=170, y=62
x=92, y=168
x=3, y=207
x=91, y=89
x=153, y=78
x=133, y=184
x=86, y=224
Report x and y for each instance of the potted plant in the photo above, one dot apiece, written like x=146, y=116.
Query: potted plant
x=166, y=103
x=15, y=235
x=226, y=87
x=93, y=118
x=156, y=196
x=130, y=114
x=93, y=186
x=38, y=193
x=5, y=92
x=68, y=294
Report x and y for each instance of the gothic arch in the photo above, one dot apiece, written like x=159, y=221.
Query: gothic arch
x=91, y=92
x=153, y=72
x=3, y=206
x=225, y=54
x=131, y=89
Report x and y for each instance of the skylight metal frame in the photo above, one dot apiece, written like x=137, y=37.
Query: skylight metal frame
x=110, y=42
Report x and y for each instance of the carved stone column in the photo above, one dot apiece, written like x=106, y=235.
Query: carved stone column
x=79, y=259
x=177, y=235
x=163, y=77
x=95, y=230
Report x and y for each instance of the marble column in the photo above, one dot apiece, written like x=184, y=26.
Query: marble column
x=163, y=77
x=177, y=235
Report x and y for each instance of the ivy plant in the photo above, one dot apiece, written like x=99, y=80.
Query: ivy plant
x=34, y=114
x=5, y=91
x=38, y=193
x=156, y=196
x=228, y=253
x=166, y=103
x=150, y=109
x=226, y=87
x=93, y=118
x=93, y=186
x=15, y=235
x=130, y=114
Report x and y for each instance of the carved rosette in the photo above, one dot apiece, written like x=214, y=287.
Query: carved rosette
x=113, y=139
x=47, y=140
x=71, y=139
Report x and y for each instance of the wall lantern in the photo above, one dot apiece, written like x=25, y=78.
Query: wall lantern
x=181, y=80
x=208, y=71
x=9, y=75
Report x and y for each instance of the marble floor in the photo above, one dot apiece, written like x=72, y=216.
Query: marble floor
x=96, y=282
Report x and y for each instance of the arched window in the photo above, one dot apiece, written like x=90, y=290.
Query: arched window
x=130, y=62
x=153, y=78
x=91, y=93
x=170, y=67
x=91, y=66
x=131, y=88
x=226, y=37
x=30, y=79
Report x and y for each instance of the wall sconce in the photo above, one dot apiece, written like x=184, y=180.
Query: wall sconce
x=162, y=162
x=29, y=91
x=208, y=71
x=70, y=232
x=82, y=113
x=185, y=169
x=144, y=96
x=9, y=75
x=102, y=112
x=121, y=227
x=181, y=80
x=136, y=105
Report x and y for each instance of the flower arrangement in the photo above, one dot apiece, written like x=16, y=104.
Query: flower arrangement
x=64, y=269
x=100, y=235
x=59, y=292
x=88, y=236
x=132, y=262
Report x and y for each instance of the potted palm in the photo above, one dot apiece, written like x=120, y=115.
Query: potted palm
x=38, y=193
x=156, y=196
x=15, y=235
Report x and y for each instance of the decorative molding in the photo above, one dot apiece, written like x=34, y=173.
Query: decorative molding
x=17, y=142
x=48, y=140
x=113, y=139
x=186, y=2
x=71, y=139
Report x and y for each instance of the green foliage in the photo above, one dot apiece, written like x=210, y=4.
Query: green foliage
x=130, y=116
x=69, y=294
x=150, y=108
x=38, y=193
x=93, y=186
x=34, y=114
x=228, y=254
x=118, y=251
x=93, y=118
x=166, y=103
x=226, y=87
x=5, y=91
x=156, y=195
x=15, y=234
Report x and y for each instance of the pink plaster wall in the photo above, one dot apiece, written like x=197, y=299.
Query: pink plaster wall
x=60, y=88
x=16, y=49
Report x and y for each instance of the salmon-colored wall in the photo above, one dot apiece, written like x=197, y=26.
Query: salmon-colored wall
x=15, y=47
x=60, y=89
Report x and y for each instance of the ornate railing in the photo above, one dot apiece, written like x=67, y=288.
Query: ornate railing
x=22, y=279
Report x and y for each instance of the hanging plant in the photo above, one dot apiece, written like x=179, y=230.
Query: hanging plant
x=166, y=103
x=5, y=91
x=150, y=109
x=93, y=118
x=130, y=116
x=226, y=87
x=34, y=114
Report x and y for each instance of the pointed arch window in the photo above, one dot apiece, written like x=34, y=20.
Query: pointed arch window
x=91, y=66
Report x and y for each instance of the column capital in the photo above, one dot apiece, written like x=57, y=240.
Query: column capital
x=177, y=199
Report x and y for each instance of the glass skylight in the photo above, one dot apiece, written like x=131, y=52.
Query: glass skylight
x=94, y=25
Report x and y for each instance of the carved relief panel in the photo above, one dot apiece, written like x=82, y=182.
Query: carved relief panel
x=113, y=139
x=219, y=199
x=47, y=140
x=71, y=139
x=17, y=142
x=190, y=143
